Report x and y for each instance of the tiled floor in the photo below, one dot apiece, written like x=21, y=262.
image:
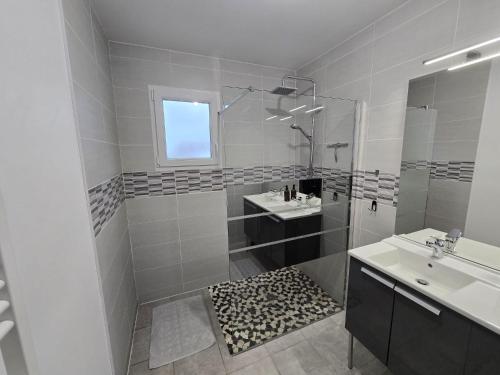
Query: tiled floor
x=320, y=348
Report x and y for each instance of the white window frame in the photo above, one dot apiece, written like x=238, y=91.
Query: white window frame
x=160, y=93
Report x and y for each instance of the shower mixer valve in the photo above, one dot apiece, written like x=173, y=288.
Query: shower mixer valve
x=336, y=146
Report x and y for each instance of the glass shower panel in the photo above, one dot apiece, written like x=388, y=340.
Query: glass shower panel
x=267, y=153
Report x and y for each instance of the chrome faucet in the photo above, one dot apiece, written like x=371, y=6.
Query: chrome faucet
x=452, y=238
x=437, y=245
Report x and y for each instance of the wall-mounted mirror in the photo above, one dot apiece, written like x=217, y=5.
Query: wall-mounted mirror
x=450, y=169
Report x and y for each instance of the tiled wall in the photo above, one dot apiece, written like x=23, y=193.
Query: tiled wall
x=179, y=242
x=178, y=218
x=94, y=104
x=376, y=64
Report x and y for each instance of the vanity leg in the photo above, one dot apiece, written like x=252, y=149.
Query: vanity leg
x=350, y=351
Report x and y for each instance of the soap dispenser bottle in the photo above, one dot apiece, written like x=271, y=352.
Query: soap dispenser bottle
x=293, y=193
x=286, y=194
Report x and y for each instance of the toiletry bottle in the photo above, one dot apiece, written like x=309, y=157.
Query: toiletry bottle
x=286, y=194
x=293, y=193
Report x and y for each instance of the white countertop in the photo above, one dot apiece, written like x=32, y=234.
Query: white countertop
x=292, y=209
x=474, y=293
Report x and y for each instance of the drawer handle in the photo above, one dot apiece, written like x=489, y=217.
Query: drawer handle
x=418, y=301
x=251, y=204
x=275, y=219
x=380, y=279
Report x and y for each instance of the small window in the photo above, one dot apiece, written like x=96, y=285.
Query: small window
x=184, y=127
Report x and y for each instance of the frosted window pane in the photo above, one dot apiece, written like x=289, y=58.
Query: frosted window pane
x=187, y=129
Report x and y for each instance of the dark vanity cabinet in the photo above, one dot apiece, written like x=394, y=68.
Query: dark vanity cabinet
x=426, y=338
x=483, y=357
x=270, y=228
x=252, y=224
x=412, y=334
x=369, y=308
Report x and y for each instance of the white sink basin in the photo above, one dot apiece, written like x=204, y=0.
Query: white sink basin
x=422, y=271
x=286, y=210
x=464, y=287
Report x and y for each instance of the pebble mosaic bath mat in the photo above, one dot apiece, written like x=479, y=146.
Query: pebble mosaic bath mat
x=260, y=308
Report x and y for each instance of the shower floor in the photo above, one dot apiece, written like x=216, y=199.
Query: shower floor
x=255, y=310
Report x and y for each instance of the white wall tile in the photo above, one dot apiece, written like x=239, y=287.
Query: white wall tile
x=101, y=161
x=202, y=226
x=162, y=255
x=202, y=204
x=139, y=52
x=194, y=78
x=131, y=102
x=154, y=233
x=384, y=155
x=101, y=46
x=380, y=222
x=158, y=282
x=137, y=158
x=204, y=268
x=196, y=249
x=349, y=68
x=134, y=130
x=77, y=14
x=428, y=32
x=146, y=209
x=478, y=20
x=385, y=122
x=402, y=14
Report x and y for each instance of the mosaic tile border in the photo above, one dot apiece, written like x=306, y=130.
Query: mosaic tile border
x=335, y=180
x=105, y=199
x=456, y=170
x=188, y=181
x=381, y=187
x=172, y=182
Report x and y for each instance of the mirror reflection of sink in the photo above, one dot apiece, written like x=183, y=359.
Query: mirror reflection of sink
x=422, y=271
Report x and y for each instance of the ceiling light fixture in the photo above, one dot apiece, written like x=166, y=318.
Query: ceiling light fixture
x=286, y=118
x=297, y=108
x=315, y=109
x=270, y=118
x=459, y=52
x=472, y=62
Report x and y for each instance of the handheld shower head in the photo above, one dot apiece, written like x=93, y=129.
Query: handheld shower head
x=297, y=127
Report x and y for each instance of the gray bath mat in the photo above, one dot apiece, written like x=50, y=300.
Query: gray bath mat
x=179, y=329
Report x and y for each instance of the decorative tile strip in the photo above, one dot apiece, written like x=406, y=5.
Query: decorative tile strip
x=335, y=180
x=173, y=182
x=105, y=199
x=452, y=170
x=194, y=180
x=443, y=169
x=381, y=187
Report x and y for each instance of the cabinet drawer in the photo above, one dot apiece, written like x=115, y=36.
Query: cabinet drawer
x=426, y=338
x=369, y=308
x=484, y=348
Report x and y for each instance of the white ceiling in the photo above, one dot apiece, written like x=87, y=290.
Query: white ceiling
x=283, y=33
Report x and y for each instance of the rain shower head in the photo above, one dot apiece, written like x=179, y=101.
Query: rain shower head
x=283, y=90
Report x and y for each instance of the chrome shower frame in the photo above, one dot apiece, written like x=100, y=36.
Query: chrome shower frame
x=247, y=91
